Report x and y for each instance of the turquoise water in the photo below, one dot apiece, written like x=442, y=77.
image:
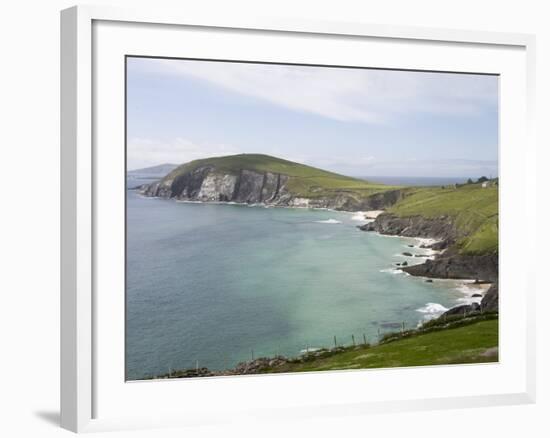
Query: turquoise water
x=218, y=284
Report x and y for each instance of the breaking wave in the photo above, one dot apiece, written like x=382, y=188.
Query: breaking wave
x=432, y=310
x=329, y=221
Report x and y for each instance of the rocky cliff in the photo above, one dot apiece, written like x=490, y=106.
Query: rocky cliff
x=210, y=184
x=441, y=228
x=457, y=266
x=449, y=264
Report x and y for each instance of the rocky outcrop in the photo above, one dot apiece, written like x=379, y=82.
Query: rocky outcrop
x=462, y=310
x=440, y=228
x=450, y=264
x=489, y=302
x=208, y=184
x=458, y=266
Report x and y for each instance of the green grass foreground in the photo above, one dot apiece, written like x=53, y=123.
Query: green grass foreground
x=473, y=343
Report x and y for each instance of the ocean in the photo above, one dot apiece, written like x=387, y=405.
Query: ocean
x=416, y=180
x=213, y=285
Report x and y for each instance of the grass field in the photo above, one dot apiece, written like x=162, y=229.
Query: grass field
x=473, y=208
x=473, y=343
x=305, y=181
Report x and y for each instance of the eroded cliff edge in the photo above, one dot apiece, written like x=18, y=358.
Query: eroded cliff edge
x=210, y=184
x=450, y=263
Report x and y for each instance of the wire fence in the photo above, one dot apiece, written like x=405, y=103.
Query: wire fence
x=198, y=366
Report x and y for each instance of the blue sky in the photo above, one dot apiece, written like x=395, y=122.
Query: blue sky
x=357, y=122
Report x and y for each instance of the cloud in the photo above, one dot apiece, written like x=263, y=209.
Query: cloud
x=144, y=152
x=352, y=95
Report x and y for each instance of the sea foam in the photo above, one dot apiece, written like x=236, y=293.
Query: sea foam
x=359, y=216
x=329, y=221
x=394, y=271
x=432, y=310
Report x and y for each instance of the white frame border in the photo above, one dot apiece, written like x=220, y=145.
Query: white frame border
x=77, y=197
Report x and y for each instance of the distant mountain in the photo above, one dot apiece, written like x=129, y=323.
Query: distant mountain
x=256, y=178
x=155, y=171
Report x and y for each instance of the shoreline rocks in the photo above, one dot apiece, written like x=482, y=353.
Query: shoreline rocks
x=462, y=310
x=489, y=302
x=447, y=265
x=440, y=228
x=459, y=267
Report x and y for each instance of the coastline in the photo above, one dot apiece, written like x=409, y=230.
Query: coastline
x=368, y=218
x=448, y=263
x=472, y=290
x=420, y=242
x=251, y=205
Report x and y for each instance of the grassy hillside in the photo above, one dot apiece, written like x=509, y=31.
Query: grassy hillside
x=473, y=208
x=305, y=181
x=473, y=343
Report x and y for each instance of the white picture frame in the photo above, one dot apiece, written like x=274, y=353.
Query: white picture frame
x=83, y=172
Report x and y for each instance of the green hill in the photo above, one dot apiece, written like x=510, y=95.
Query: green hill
x=304, y=181
x=473, y=208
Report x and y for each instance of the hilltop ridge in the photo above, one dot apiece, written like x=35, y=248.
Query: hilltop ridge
x=257, y=178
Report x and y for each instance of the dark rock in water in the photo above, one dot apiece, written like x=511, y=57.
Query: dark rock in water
x=464, y=310
x=408, y=254
x=404, y=264
x=429, y=280
x=410, y=246
x=458, y=267
x=476, y=295
x=367, y=227
x=422, y=255
x=489, y=302
x=398, y=264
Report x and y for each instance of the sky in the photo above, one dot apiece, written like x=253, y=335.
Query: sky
x=358, y=122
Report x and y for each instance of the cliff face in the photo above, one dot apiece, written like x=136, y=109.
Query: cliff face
x=441, y=228
x=208, y=184
x=480, y=267
x=450, y=264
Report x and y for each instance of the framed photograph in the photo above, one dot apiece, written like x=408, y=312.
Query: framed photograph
x=257, y=208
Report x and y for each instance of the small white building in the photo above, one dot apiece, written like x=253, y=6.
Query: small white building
x=485, y=184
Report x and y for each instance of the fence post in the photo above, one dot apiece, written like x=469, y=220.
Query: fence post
x=364, y=339
x=353, y=340
x=335, y=343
